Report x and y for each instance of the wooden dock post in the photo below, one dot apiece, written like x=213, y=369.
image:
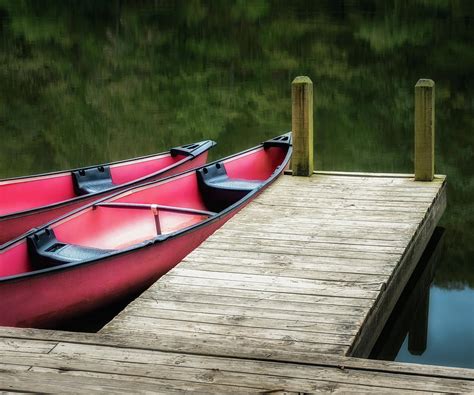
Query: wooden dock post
x=424, y=129
x=302, y=126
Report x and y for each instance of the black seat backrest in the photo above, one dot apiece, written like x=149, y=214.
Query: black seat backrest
x=46, y=251
x=92, y=180
x=218, y=190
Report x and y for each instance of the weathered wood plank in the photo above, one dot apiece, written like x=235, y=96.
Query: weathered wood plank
x=238, y=317
x=286, y=259
x=295, y=251
x=142, y=344
x=195, y=372
x=264, y=240
x=301, y=266
x=258, y=296
x=25, y=345
x=238, y=308
x=364, y=178
x=307, y=272
x=229, y=328
x=314, y=287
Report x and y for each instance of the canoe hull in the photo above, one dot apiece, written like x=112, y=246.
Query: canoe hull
x=13, y=226
x=43, y=301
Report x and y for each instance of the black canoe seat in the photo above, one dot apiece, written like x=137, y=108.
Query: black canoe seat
x=93, y=180
x=46, y=251
x=219, y=191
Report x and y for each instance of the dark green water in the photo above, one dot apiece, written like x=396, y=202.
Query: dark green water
x=92, y=81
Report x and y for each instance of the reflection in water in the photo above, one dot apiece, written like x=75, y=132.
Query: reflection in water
x=93, y=81
x=410, y=316
x=417, y=330
x=450, y=336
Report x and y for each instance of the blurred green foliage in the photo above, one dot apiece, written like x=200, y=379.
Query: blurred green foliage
x=92, y=81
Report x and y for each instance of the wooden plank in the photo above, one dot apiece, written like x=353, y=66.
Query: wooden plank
x=187, y=326
x=344, y=206
x=355, y=233
x=282, y=259
x=42, y=381
x=307, y=272
x=141, y=344
x=290, y=236
x=323, y=219
x=277, y=262
x=364, y=177
x=296, y=213
x=227, y=240
x=229, y=367
x=196, y=372
x=361, y=190
x=61, y=380
x=239, y=317
x=25, y=345
x=304, y=301
x=314, y=287
x=237, y=308
x=295, y=251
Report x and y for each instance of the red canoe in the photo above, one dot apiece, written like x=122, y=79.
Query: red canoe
x=120, y=245
x=27, y=202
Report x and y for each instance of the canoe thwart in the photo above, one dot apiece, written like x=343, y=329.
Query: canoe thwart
x=45, y=250
x=92, y=180
x=157, y=207
x=219, y=190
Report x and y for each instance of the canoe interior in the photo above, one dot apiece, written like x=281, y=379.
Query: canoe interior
x=145, y=212
x=32, y=192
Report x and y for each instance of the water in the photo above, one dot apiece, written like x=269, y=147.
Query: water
x=84, y=82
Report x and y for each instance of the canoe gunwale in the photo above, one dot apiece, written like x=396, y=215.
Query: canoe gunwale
x=158, y=239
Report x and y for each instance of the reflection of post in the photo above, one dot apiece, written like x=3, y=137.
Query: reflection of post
x=419, y=327
x=407, y=314
x=302, y=126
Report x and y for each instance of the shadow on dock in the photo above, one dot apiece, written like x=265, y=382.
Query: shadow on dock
x=410, y=315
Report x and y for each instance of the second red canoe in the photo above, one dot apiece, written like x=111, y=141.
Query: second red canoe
x=27, y=202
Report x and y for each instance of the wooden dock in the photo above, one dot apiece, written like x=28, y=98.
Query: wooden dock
x=286, y=298
x=313, y=265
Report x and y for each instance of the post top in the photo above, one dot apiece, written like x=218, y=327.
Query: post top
x=302, y=79
x=425, y=82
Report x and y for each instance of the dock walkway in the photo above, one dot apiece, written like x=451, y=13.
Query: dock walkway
x=313, y=265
